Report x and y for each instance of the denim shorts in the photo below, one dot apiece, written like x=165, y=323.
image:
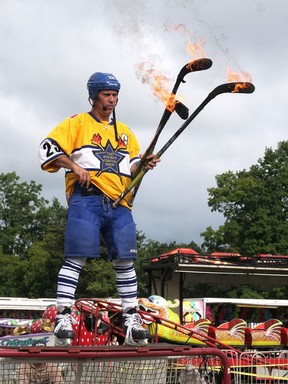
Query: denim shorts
x=92, y=215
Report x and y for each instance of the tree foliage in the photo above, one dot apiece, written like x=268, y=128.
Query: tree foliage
x=11, y=276
x=254, y=203
x=32, y=237
x=21, y=214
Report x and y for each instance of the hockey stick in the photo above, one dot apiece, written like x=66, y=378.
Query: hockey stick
x=180, y=109
x=235, y=87
x=193, y=66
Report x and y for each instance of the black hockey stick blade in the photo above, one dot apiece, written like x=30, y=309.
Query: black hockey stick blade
x=234, y=87
x=181, y=110
x=199, y=64
x=193, y=66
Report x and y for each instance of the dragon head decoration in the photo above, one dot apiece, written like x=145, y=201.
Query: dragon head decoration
x=161, y=310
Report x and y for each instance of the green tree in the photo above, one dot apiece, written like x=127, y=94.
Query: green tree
x=11, y=276
x=254, y=203
x=21, y=214
x=97, y=280
x=32, y=238
x=45, y=257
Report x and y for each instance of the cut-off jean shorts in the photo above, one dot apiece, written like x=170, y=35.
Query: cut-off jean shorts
x=90, y=216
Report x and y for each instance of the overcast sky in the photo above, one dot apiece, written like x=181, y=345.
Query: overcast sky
x=49, y=49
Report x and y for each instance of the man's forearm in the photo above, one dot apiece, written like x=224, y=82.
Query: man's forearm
x=64, y=162
x=82, y=174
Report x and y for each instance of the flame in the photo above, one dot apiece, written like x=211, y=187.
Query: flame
x=238, y=76
x=241, y=78
x=194, y=50
x=239, y=86
x=158, y=82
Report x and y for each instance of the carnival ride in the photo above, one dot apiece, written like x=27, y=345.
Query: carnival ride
x=98, y=324
x=255, y=352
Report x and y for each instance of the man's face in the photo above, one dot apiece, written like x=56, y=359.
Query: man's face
x=108, y=99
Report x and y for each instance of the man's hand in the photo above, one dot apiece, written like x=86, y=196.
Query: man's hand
x=151, y=162
x=83, y=175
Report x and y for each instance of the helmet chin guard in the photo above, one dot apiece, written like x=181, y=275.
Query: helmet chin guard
x=100, y=81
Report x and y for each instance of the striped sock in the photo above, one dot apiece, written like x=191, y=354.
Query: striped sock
x=68, y=280
x=126, y=282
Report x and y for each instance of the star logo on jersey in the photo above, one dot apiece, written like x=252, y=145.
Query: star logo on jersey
x=109, y=159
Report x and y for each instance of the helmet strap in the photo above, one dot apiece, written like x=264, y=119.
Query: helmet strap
x=90, y=102
x=115, y=125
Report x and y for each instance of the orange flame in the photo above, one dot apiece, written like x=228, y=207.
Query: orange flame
x=239, y=86
x=158, y=82
x=239, y=77
x=194, y=50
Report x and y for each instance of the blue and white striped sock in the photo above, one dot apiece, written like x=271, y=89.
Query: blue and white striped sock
x=126, y=282
x=68, y=280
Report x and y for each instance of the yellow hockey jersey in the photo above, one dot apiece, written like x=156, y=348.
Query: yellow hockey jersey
x=92, y=145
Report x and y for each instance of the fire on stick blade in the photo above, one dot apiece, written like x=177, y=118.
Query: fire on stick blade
x=241, y=82
x=160, y=83
x=243, y=87
x=199, y=64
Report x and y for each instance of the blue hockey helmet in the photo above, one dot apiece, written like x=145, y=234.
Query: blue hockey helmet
x=100, y=81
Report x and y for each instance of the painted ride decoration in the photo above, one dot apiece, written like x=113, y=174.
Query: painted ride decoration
x=98, y=322
x=162, y=331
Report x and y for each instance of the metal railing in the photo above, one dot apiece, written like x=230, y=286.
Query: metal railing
x=158, y=363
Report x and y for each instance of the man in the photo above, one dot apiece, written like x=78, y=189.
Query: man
x=99, y=156
x=39, y=373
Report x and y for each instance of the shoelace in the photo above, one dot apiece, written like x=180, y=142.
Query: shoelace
x=65, y=322
x=133, y=321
